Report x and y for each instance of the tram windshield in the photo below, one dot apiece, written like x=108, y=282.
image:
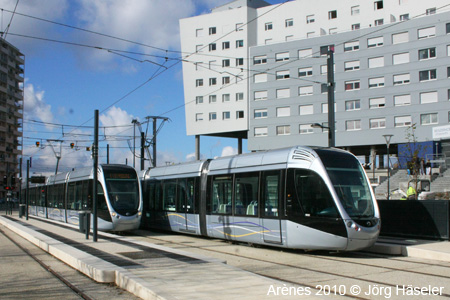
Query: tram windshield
x=349, y=182
x=123, y=190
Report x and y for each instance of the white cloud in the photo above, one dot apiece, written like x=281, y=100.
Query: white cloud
x=35, y=106
x=228, y=150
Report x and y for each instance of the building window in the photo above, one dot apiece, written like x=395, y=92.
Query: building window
x=404, y=17
x=282, y=56
x=198, y=82
x=239, y=26
x=310, y=19
x=199, y=100
x=198, y=117
x=305, y=53
x=212, y=47
x=283, y=130
x=352, y=125
x=212, y=116
x=428, y=32
x=240, y=114
x=351, y=65
x=427, y=53
x=352, y=105
x=447, y=28
x=261, y=77
x=352, y=85
x=332, y=30
x=378, y=5
x=427, y=75
x=332, y=14
x=283, y=111
x=268, y=26
x=377, y=103
x=226, y=98
x=400, y=58
x=226, y=115
x=289, y=22
x=212, y=81
x=429, y=119
x=402, y=100
x=398, y=38
x=239, y=96
x=260, y=113
x=356, y=26
x=428, y=97
x=225, y=45
x=306, y=129
x=281, y=75
x=431, y=11
x=260, y=131
x=306, y=109
x=239, y=61
x=260, y=95
x=375, y=42
x=305, y=90
x=400, y=79
x=225, y=63
x=226, y=80
x=376, y=82
x=258, y=60
x=324, y=49
x=355, y=10
x=199, y=32
x=212, y=30
x=351, y=46
x=379, y=22
x=376, y=62
x=239, y=43
x=212, y=98
x=377, y=123
x=304, y=72
x=283, y=93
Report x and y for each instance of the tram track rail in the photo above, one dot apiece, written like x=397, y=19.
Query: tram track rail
x=61, y=278
x=320, y=257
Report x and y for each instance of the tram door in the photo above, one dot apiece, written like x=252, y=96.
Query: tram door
x=270, y=210
x=186, y=194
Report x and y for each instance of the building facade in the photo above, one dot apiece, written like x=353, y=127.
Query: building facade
x=11, y=113
x=391, y=70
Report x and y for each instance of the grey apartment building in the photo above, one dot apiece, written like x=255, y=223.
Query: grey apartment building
x=387, y=78
x=11, y=112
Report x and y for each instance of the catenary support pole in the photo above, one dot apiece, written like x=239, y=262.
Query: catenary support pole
x=94, y=192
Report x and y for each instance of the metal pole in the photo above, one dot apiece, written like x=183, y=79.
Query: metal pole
x=330, y=83
x=154, y=141
x=95, y=157
x=134, y=142
x=197, y=147
x=27, y=192
x=389, y=174
x=107, y=153
x=143, y=151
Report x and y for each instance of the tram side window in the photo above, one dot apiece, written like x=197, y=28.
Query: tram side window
x=71, y=203
x=221, y=194
x=32, y=194
x=101, y=200
x=61, y=195
x=246, y=194
x=40, y=196
x=313, y=195
x=169, y=195
x=271, y=193
x=52, y=196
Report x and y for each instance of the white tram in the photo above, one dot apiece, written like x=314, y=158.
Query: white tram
x=65, y=195
x=299, y=197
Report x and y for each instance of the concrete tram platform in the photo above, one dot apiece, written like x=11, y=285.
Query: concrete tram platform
x=146, y=270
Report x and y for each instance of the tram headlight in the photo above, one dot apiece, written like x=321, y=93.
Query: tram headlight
x=114, y=214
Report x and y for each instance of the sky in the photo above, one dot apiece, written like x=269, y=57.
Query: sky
x=120, y=57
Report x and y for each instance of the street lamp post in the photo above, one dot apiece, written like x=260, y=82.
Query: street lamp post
x=387, y=138
x=318, y=125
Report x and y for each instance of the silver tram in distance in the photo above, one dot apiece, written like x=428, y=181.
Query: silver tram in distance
x=299, y=197
x=65, y=195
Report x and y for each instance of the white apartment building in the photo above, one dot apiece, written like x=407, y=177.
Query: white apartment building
x=392, y=55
